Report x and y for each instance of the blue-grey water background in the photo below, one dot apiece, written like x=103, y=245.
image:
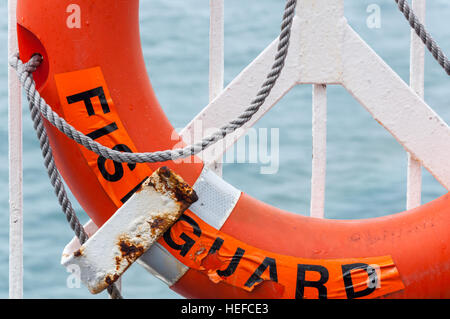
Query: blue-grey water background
x=366, y=166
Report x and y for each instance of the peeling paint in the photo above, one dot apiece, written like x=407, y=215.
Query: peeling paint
x=132, y=230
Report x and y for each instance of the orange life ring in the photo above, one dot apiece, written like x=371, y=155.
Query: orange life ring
x=94, y=76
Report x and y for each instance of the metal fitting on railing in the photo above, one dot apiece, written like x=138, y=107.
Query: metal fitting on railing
x=131, y=231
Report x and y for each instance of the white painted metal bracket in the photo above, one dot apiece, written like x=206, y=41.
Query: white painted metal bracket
x=324, y=49
x=131, y=231
x=217, y=200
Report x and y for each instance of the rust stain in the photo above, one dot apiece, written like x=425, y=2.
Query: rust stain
x=159, y=224
x=118, y=262
x=110, y=279
x=130, y=250
x=147, y=182
x=174, y=183
x=79, y=252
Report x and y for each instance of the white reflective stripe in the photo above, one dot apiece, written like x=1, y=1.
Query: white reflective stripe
x=217, y=200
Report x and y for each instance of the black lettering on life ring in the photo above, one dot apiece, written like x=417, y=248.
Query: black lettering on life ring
x=103, y=131
x=218, y=242
x=349, y=289
x=233, y=263
x=118, y=167
x=256, y=276
x=188, y=241
x=86, y=98
x=319, y=285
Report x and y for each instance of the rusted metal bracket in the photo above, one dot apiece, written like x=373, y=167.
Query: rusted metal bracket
x=131, y=231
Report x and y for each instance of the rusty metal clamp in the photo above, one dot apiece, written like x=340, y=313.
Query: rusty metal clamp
x=131, y=231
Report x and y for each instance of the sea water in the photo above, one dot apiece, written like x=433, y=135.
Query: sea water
x=366, y=174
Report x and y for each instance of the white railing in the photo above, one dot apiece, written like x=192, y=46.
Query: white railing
x=15, y=166
x=319, y=152
x=326, y=32
x=417, y=71
x=216, y=59
x=323, y=51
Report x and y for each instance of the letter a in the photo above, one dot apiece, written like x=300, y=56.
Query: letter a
x=74, y=19
x=374, y=19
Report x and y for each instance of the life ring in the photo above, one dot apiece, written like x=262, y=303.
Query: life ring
x=229, y=245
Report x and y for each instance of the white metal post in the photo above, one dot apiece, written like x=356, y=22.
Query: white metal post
x=15, y=166
x=319, y=146
x=417, y=71
x=216, y=58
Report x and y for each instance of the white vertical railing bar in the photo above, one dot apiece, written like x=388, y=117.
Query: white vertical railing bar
x=216, y=58
x=15, y=166
x=119, y=286
x=417, y=71
x=319, y=153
